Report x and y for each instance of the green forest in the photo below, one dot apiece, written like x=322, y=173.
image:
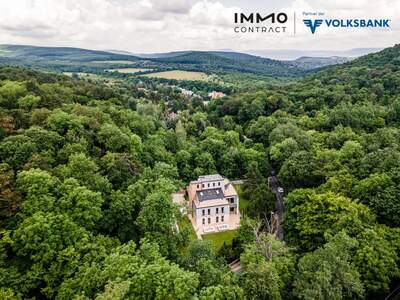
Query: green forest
x=88, y=168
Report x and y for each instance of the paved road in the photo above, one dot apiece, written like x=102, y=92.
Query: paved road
x=275, y=187
x=394, y=295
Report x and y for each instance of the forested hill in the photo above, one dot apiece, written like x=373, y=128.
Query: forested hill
x=67, y=54
x=78, y=60
x=389, y=56
x=223, y=62
x=219, y=62
x=87, y=171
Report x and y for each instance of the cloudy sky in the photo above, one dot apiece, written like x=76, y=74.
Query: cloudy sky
x=143, y=26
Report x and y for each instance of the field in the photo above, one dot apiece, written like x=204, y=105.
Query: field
x=180, y=75
x=218, y=239
x=129, y=70
x=125, y=62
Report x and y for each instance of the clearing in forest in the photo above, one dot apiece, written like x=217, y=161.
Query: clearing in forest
x=180, y=75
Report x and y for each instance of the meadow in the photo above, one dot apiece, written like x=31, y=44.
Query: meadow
x=129, y=70
x=180, y=75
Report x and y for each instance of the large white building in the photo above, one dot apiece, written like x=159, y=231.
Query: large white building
x=213, y=204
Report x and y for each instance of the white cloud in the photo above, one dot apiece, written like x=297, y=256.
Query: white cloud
x=161, y=25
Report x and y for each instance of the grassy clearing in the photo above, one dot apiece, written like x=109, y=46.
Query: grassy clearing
x=243, y=201
x=180, y=75
x=129, y=70
x=125, y=62
x=218, y=239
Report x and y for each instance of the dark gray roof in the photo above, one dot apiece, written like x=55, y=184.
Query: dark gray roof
x=210, y=194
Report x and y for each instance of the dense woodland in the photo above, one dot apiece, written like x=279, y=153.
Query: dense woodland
x=87, y=171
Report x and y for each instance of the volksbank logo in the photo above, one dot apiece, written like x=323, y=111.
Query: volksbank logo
x=313, y=25
x=346, y=23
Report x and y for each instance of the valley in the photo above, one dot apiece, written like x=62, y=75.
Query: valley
x=132, y=177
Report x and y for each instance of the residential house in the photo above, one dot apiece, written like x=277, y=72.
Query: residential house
x=213, y=204
x=214, y=95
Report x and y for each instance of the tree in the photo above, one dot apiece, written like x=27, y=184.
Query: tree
x=268, y=267
x=327, y=273
x=299, y=171
x=376, y=260
x=351, y=154
x=38, y=189
x=113, y=138
x=9, y=198
x=50, y=242
x=221, y=292
x=155, y=219
x=204, y=164
x=29, y=102
x=17, y=150
x=85, y=170
x=283, y=150
x=144, y=270
x=200, y=258
x=63, y=122
x=121, y=169
x=261, y=201
x=123, y=209
x=10, y=91
x=114, y=291
x=181, y=135
x=184, y=165
x=261, y=128
x=380, y=192
x=310, y=215
x=80, y=203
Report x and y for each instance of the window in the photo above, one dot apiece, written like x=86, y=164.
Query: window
x=232, y=200
x=208, y=184
x=209, y=220
x=216, y=210
x=198, y=186
x=202, y=185
x=204, y=212
x=216, y=219
x=209, y=211
x=222, y=218
x=219, y=183
x=222, y=210
x=213, y=183
x=204, y=221
x=232, y=209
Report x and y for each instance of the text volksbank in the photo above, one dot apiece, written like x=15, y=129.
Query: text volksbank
x=346, y=23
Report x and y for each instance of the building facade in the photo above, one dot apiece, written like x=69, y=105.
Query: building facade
x=213, y=204
x=215, y=95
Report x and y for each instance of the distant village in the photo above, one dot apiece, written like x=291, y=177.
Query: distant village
x=212, y=95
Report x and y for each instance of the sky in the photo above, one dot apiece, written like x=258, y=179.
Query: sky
x=148, y=26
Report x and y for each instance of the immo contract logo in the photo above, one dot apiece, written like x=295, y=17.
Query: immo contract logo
x=313, y=24
x=272, y=23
